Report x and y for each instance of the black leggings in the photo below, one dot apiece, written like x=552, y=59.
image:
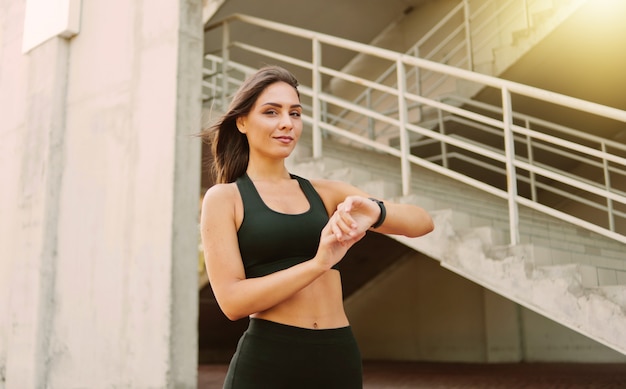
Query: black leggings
x=274, y=355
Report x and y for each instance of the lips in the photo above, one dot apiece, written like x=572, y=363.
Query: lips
x=284, y=139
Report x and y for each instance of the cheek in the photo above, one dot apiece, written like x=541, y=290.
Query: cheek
x=297, y=128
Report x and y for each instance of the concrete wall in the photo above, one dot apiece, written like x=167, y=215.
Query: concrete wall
x=100, y=178
x=420, y=311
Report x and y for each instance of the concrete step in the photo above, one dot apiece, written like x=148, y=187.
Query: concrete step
x=615, y=293
x=556, y=292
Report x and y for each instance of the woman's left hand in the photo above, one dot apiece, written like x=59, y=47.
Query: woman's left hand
x=353, y=217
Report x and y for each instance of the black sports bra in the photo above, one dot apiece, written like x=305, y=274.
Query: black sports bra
x=270, y=241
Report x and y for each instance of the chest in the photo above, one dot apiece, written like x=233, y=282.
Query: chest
x=286, y=198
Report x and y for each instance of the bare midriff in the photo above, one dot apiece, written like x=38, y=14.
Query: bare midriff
x=317, y=306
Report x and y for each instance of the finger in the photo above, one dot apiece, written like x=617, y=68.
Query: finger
x=342, y=230
x=348, y=224
x=341, y=225
x=352, y=240
x=334, y=228
x=345, y=210
x=348, y=204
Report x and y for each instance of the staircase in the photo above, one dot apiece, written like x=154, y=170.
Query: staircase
x=485, y=36
x=520, y=25
x=554, y=271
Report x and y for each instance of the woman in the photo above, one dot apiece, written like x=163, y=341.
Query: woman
x=271, y=242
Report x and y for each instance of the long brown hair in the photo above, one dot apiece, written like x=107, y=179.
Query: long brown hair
x=230, y=147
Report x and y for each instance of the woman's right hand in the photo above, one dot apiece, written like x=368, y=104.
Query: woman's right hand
x=339, y=234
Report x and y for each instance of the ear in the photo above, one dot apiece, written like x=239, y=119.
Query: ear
x=241, y=124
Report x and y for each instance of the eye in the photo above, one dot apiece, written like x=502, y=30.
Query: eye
x=296, y=114
x=270, y=112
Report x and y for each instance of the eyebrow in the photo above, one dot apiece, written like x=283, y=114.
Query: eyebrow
x=280, y=105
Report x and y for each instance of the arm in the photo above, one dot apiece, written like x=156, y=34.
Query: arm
x=237, y=296
x=359, y=212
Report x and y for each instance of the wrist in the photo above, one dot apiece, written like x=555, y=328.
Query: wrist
x=382, y=215
x=320, y=264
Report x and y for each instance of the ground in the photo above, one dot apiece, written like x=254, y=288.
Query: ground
x=421, y=375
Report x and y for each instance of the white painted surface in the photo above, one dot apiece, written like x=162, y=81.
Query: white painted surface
x=46, y=19
x=99, y=205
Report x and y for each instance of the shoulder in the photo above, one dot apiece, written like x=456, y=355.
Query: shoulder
x=220, y=193
x=220, y=198
x=334, y=192
x=331, y=185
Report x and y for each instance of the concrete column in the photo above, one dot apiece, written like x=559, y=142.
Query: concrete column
x=33, y=110
x=100, y=176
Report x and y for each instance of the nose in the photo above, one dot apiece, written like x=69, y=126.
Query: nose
x=285, y=122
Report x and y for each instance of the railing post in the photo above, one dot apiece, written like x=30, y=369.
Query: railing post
x=418, y=81
x=225, y=59
x=444, y=145
x=371, y=132
x=607, y=183
x=511, y=176
x=418, y=74
x=405, y=147
x=531, y=160
x=317, y=87
x=468, y=35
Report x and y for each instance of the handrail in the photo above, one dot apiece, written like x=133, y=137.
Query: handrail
x=547, y=148
x=405, y=129
x=468, y=35
x=528, y=120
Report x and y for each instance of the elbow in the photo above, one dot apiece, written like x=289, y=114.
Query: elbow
x=424, y=227
x=429, y=226
x=231, y=312
x=233, y=315
x=232, y=302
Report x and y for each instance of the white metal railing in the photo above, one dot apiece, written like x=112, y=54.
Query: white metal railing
x=226, y=73
x=587, y=151
x=465, y=38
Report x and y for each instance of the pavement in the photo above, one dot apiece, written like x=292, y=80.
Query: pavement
x=423, y=375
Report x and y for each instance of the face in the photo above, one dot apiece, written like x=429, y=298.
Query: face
x=274, y=124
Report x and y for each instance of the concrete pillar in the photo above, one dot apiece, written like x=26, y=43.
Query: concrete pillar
x=33, y=112
x=98, y=211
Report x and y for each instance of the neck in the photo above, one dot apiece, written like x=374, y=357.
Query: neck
x=267, y=173
x=263, y=167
